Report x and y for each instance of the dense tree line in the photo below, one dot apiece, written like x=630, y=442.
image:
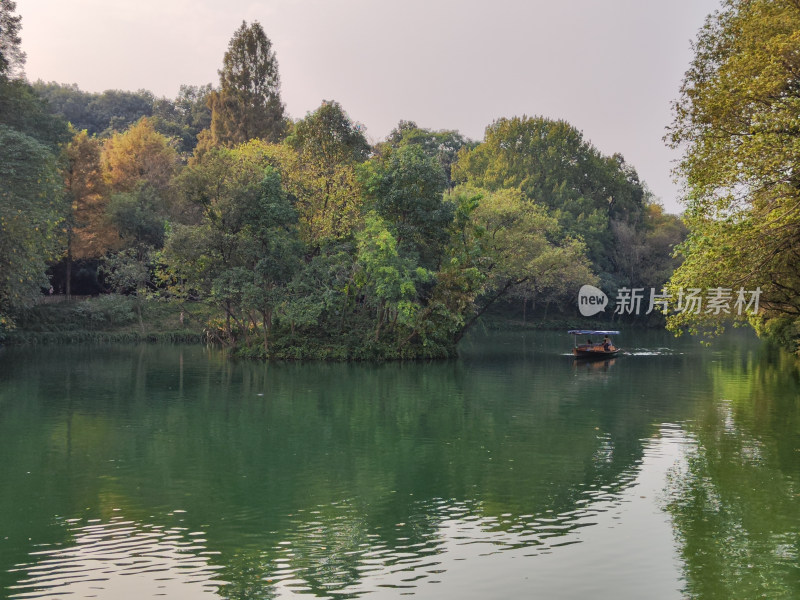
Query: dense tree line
x=308, y=240
x=100, y=115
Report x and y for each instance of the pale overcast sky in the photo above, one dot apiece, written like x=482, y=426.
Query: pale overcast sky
x=608, y=67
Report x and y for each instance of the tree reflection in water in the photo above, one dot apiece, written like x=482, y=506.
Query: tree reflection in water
x=511, y=467
x=735, y=502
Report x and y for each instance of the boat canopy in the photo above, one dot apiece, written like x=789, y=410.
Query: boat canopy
x=591, y=332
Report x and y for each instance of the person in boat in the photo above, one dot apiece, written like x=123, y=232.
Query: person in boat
x=589, y=342
x=607, y=344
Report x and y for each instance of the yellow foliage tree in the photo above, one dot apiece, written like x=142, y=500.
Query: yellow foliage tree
x=327, y=197
x=139, y=155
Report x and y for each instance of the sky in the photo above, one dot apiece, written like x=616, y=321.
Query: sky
x=611, y=68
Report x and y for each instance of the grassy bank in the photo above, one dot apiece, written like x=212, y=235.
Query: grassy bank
x=110, y=318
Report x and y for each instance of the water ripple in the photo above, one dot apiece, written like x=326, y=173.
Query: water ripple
x=119, y=559
x=337, y=558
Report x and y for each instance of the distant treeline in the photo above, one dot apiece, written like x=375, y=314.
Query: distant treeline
x=306, y=239
x=106, y=113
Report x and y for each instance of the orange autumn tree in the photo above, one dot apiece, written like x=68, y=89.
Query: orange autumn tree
x=89, y=232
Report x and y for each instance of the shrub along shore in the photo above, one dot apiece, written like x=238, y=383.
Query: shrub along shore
x=116, y=319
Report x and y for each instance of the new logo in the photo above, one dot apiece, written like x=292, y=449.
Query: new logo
x=591, y=300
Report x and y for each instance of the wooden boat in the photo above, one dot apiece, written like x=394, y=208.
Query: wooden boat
x=602, y=348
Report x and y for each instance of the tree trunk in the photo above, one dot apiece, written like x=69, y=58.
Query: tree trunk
x=68, y=288
x=138, y=304
x=477, y=315
x=228, y=320
x=345, y=306
x=267, y=316
x=381, y=311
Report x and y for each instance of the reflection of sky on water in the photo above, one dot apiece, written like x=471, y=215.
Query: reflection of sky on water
x=121, y=560
x=332, y=552
x=614, y=540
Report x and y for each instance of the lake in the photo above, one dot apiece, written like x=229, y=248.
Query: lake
x=134, y=472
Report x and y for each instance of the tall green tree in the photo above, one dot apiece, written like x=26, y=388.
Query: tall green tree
x=248, y=104
x=548, y=160
x=736, y=121
x=406, y=189
x=330, y=135
x=31, y=198
x=243, y=250
x=444, y=145
x=387, y=277
x=329, y=145
x=30, y=218
x=12, y=58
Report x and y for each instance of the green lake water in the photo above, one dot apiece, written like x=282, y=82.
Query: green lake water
x=138, y=472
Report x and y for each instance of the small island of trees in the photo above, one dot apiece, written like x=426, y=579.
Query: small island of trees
x=302, y=240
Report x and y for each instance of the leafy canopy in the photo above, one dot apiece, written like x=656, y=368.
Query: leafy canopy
x=737, y=123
